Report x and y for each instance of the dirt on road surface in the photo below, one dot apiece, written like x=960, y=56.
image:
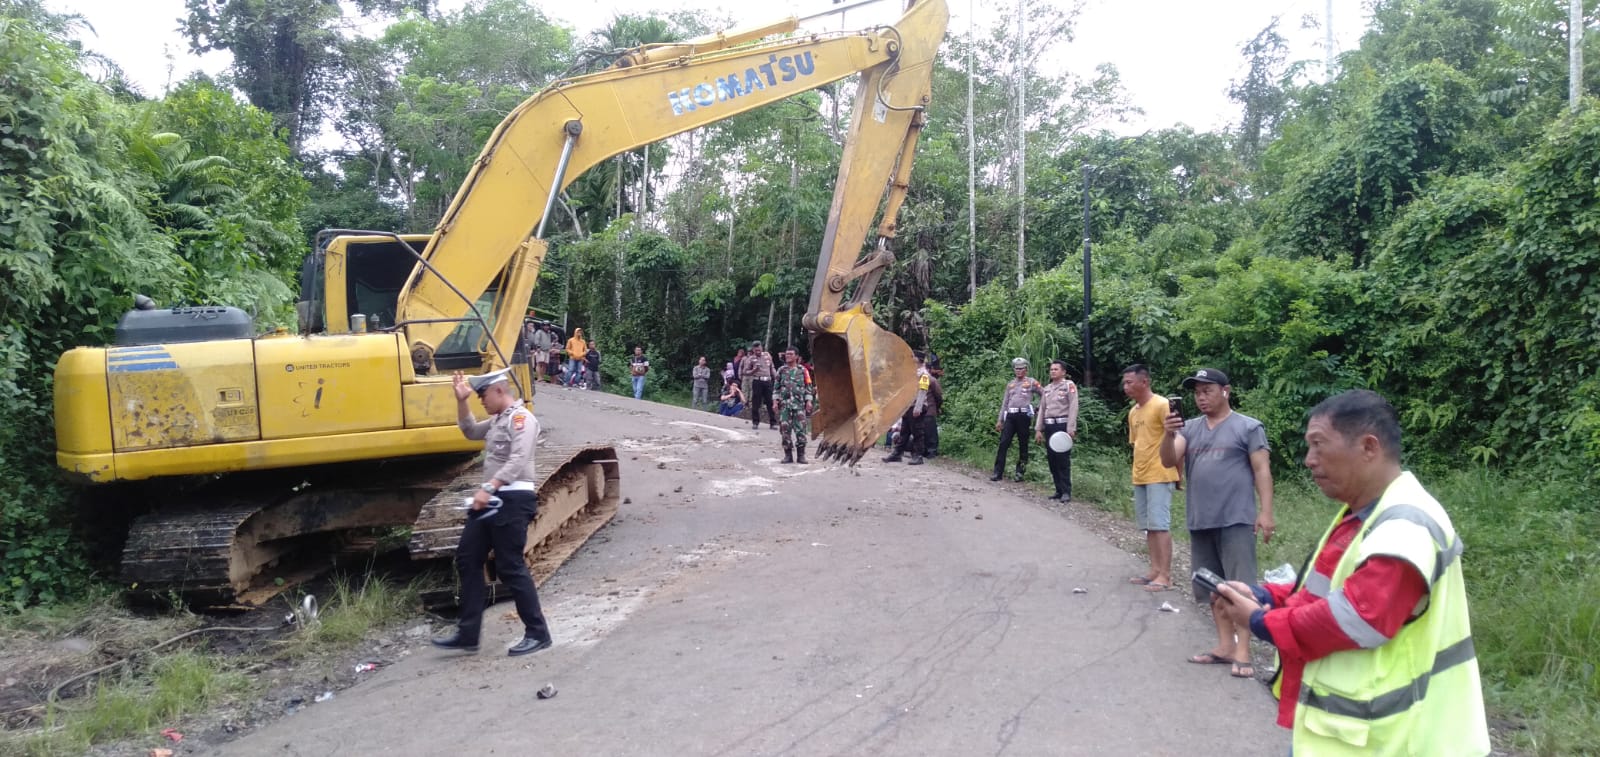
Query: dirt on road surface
x=739, y=606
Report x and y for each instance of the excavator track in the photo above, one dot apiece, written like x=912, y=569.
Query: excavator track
x=236, y=549
x=576, y=498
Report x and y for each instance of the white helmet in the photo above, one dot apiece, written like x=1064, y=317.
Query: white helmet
x=1020, y=362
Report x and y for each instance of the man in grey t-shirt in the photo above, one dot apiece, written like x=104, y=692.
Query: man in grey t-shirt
x=1226, y=463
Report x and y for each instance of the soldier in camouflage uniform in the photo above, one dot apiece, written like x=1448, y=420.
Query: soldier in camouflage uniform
x=793, y=397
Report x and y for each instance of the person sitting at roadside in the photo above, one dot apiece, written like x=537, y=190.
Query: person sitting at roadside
x=732, y=399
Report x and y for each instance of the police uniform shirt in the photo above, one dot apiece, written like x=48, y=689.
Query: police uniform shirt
x=509, y=440
x=1019, y=395
x=1059, y=403
x=757, y=367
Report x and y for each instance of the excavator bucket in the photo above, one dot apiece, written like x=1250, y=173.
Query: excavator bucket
x=866, y=378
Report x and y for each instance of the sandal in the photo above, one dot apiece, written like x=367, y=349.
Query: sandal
x=1138, y=580
x=1242, y=670
x=1156, y=586
x=1207, y=658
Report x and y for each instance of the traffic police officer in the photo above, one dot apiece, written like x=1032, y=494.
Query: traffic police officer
x=757, y=367
x=1016, y=414
x=501, y=509
x=1058, y=412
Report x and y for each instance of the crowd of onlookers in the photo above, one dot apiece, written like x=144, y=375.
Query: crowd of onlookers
x=744, y=385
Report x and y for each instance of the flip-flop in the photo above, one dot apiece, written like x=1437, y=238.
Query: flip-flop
x=1207, y=658
x=1138, y=580
x=1156, y=586
x=1237, y=671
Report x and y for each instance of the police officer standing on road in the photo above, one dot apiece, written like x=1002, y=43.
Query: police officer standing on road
x=1016, y=416
x=758, y=368
x=502, y=507
x=1058, y=413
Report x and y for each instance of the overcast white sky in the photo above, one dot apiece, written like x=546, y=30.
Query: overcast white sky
x=1176, y=57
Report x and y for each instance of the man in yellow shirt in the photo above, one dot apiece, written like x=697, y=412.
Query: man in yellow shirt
x=1152, y=482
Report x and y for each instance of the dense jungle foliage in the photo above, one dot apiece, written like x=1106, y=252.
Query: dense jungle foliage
x=1426, y=223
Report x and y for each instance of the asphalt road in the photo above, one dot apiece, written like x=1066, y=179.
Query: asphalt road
x=738, y=606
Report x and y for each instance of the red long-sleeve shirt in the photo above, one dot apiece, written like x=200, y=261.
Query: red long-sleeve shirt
x=1385, y=591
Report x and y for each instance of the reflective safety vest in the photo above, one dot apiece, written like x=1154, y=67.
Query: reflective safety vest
x=1417, y=693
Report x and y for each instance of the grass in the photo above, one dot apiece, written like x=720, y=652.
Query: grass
x=158, y=692
x=1532, y=567
x=357, y=607
x=134, y=704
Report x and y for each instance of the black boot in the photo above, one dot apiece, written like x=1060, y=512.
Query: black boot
x=788, y=457
x=894, y=458
x=995, y=477
x=1017, y=476
x=915, y=460
x=800, y=455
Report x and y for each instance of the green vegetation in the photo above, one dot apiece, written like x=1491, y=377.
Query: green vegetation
x=174, y=686
x=159, y=691
x=358, y=606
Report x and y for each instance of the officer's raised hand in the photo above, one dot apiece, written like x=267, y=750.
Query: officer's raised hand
x=463, y=389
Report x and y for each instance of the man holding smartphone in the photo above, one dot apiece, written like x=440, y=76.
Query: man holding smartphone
x=1229, y=501
x=1374, y=643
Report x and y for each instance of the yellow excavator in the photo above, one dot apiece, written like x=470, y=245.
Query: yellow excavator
x=351, y=424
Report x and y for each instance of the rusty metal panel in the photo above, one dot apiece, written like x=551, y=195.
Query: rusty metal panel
x=177, y=395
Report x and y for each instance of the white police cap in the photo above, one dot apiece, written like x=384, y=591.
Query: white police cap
x=480, y=383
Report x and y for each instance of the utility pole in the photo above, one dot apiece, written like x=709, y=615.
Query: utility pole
x=972, y=160
x=1022, y=146
x=1575, y=55
x=1327, y=41
x=1088, y=284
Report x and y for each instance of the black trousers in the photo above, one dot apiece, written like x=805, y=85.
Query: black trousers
x=761, y=399
x=914, y=434
x=1019, y=425
x=506, y=532
x=933, y=436
x=1060, y=462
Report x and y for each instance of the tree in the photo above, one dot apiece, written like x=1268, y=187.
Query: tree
x=1263, y=93
x=286, y=53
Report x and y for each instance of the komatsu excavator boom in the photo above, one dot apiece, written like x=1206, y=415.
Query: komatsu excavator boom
x=865, y=376
x=309, y=422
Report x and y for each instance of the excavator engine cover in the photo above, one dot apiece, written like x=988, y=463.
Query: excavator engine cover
x=866, y=378
x=179, y=325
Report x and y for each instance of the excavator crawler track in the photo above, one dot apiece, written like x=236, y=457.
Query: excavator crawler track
x=238, y=548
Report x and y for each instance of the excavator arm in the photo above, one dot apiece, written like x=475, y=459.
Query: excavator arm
x=495, y=224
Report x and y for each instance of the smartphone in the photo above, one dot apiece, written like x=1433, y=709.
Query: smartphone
x=1207, y=580
x=1175, y=405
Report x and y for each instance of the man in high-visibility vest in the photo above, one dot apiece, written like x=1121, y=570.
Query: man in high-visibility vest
x=1374, y=642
